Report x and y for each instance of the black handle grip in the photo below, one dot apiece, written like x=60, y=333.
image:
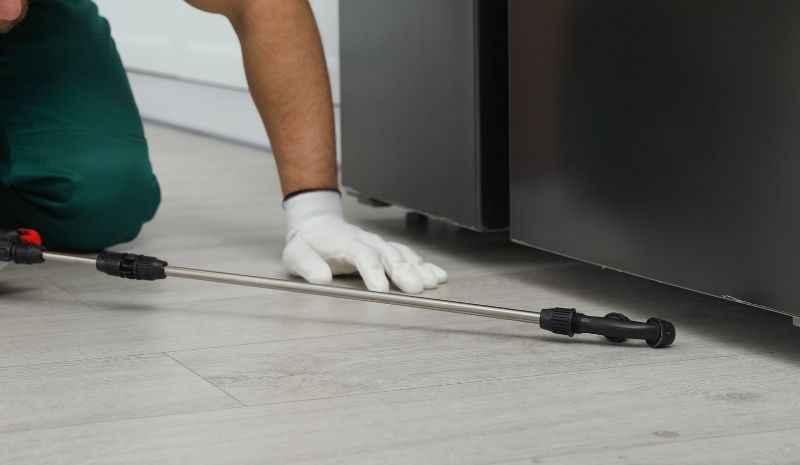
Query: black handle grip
x=131, y=266
x=14, y=249
x=615, y=326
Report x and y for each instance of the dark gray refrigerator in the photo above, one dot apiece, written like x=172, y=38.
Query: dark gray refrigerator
x=425, y=107
x=661, y=138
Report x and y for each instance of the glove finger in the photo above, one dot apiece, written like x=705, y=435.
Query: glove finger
x=440, y=274
x=429, y=277
x=417, y=270
x=407, y=278
x=305, y=262
x=402, y=273
x=369, y=266
x=389, y=255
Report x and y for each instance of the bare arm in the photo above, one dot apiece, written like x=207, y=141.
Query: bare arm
x=288, y=79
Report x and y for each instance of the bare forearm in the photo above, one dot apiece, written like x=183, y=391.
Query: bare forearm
x=288, y=80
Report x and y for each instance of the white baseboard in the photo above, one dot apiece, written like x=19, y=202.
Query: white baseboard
x=219, y=111
x=223, y=112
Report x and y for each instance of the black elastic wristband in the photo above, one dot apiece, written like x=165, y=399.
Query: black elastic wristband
x=305, y=191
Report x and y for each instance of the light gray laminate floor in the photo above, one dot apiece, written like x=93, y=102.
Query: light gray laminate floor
x=97, y=370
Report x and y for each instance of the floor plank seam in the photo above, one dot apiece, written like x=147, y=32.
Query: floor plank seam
x=245, y=406
x=79, y=360
x=175, y=351
x=77, y=299
x=242, y=404
x=306, y=338
x=121, y=420
x=504, y=379
x=680, y=439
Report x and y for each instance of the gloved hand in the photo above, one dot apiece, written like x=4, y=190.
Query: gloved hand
x=321, y=244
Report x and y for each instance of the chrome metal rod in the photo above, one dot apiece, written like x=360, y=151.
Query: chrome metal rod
x=69, y=258
x=329, y=291
x=355, y=294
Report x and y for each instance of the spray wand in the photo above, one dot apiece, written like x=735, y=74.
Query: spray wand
x=24, y=246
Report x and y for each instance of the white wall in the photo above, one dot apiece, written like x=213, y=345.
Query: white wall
x=186, y=68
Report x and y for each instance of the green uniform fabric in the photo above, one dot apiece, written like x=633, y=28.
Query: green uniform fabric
x=73, y=156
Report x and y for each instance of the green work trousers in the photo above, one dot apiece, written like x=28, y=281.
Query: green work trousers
x=73, y=156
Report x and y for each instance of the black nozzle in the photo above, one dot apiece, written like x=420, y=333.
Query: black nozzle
x=614, y=326
x=131, y=266
x=665, y=334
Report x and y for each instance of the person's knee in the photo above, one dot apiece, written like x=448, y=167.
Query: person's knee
x=96, y=194
x=84, y=190
x=107, y=206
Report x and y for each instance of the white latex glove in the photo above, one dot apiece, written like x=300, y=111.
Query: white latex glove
x=321, y=244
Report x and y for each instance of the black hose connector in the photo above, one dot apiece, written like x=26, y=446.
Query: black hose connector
x=12, y=249
x=614, y=326
x=617, y=316
x=131, y=266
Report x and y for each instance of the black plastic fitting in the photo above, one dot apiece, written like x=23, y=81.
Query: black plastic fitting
x=131, y=266
x=12, y=249
x=617, y=316
x=614, y=326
